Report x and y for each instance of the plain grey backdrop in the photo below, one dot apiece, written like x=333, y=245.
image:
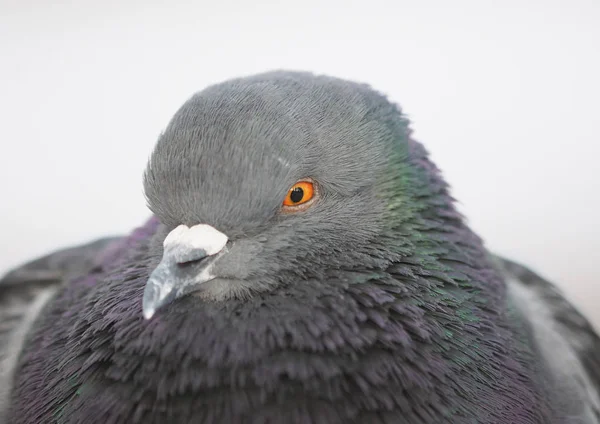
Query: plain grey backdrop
x=505, y=95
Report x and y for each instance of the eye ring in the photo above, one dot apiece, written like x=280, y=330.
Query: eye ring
x=300, y=196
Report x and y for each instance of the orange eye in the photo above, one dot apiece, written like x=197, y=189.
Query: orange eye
x=299, y=194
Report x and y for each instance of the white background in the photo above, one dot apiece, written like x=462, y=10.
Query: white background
x=505, y=94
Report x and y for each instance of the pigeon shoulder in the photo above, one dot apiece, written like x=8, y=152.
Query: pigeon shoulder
x=565, y=342
x=25, y=290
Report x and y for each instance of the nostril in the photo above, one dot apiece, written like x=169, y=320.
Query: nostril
x=185, y=257
x=189, y=263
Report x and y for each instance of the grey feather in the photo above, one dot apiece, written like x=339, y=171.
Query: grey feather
x=376, y=304
x=565, y=343
x=25, y=291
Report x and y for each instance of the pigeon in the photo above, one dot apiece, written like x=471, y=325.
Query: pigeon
x=304, y=262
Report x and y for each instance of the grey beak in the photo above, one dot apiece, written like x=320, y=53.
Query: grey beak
x=187, y=262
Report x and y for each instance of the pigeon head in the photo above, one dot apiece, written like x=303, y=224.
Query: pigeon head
x=263, y=181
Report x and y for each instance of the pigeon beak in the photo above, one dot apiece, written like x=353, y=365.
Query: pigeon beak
x=188, y=259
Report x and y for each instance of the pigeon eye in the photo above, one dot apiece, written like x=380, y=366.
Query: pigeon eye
x=299, y=195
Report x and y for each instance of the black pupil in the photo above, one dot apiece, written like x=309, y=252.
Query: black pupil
x=296, y=195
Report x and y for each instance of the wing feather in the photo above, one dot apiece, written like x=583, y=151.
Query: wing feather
x=23, y=293
x=568, y=346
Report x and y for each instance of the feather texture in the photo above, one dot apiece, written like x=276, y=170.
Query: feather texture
x=23, y=294
x=377, y=304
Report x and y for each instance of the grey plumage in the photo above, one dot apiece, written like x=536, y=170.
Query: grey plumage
x=23, y=293
x=566, y=345
x=375, y=304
